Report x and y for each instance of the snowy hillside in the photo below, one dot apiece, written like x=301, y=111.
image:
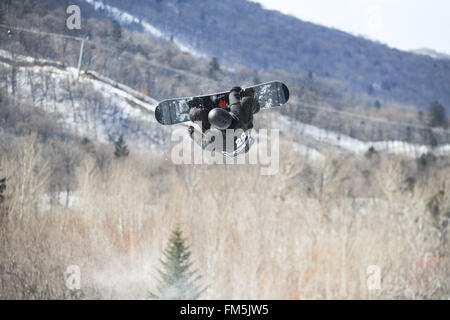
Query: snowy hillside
x=129, y=19
x=346, y=143
x=100, y=108
x=93, y=106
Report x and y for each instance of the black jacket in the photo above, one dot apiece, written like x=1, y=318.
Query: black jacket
x=242, y=106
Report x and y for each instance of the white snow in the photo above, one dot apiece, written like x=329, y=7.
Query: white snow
x=149, y=28
x=307, y=152
x=347, y=143
x=25, y=59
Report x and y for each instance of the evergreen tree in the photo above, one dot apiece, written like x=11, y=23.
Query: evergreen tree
x=370, y=152
x=116, y=31
x=437, y=115
x=420, y=116
x=177, y=279
x=2, y=189
x=430, y=138
x=425, y=161
x=87, y=146
x=27, y=7
x=4, y=8
x=377, y=104
x=121, y=149
x=213, y=67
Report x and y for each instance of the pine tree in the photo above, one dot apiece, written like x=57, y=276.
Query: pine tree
x=121, y=149
x=177, y=279
x=377, y=104
x=213, y=67
x=370, y=152
x=437, y=115
x=116, y=31
x=2, y=189
x=425, y=161
x=27, y=7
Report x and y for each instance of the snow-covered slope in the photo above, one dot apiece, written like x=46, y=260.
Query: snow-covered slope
x=346, y=143
x=93, y=106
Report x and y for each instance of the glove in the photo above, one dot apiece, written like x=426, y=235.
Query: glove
x=249, y=92
x=236, y=89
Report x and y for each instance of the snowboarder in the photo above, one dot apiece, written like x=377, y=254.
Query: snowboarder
x=239, y=114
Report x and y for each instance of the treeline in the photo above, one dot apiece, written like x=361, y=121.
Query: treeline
x=388, y=210
x=62, y=150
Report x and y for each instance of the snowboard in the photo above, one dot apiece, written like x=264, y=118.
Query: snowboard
x=269, y=95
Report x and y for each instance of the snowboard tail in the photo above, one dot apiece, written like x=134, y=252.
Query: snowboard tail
x=173, y=111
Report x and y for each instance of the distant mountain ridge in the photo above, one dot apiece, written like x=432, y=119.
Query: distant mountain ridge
x=243, y=32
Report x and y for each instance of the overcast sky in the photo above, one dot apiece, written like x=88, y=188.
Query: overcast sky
x=403, y=24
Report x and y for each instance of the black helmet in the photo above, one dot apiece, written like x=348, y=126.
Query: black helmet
x=220, y=118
